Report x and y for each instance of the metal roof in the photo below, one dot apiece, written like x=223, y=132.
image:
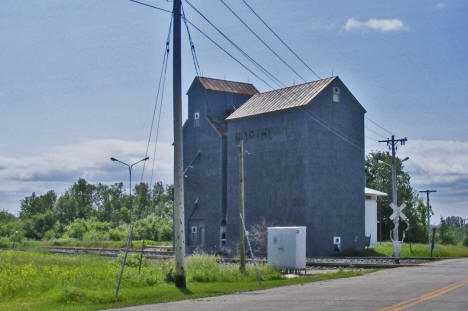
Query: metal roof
x=219, y=125
x=227, y=86
x=373, y=191
x=290, y=97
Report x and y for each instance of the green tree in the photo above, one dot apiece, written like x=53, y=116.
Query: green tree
x=379, y=177
x=34, y=205
x=66, y=209
x=37, y=225
x=83, y=194
x=446, y=235
x=455, y=221
x=142, y=201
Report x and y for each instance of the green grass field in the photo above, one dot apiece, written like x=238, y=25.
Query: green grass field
x=41, y=281
x=411, y=250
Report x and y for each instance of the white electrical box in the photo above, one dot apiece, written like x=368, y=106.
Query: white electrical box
x=287, y=247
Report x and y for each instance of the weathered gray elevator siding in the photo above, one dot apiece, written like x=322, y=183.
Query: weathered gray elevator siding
x=298, y=173
x=205, y=180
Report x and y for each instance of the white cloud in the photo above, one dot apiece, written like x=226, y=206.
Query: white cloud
x=440, y=165
x=440, y=5
x=382, y=25
x=63, y=165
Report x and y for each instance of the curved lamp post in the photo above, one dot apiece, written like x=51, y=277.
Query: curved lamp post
x=130, y=166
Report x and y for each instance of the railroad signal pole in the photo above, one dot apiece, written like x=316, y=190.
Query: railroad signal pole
x=241, y=208
x=428, y=208
x=179, y=222
x=392, y=144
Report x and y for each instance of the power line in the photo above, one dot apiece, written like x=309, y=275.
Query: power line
x=151, y=6
x=192, y=46
x=163, y=72
x=373, y=138
x=281, y=40
x=229, y=54
x=375, y=132
x=315, y=118
x=333, y=131
x=261, y=40
x=378, y=125
x=260, y=67
x=159, y=120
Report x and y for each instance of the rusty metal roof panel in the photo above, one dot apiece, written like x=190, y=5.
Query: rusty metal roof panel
x=290, y=97
x=219, y=125
x=227, y=86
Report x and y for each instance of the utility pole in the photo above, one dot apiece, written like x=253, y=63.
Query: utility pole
x=241, y=207
x=428, y=208
x=392, y=144
x=179, y=222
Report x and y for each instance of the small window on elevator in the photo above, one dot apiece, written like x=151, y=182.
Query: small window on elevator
x=196, y=119
x=336, y=94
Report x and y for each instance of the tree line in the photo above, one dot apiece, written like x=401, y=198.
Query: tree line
x=379, y=177
x=88, y=211
x=93, y=212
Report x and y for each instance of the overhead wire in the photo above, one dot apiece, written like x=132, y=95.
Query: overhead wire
x=163, y=72
x=379, y=126
x=160, y=109
x=259, y=66
x=330, y=129
x=281, y=40
x=375, y=132
x=151, y=6
x=192, y=46
x=262, y=41
x=229, y=54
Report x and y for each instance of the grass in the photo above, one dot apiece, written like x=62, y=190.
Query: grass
x=410, y=250
x=41, y=281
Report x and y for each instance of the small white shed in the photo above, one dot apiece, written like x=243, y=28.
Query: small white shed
x=371, y=214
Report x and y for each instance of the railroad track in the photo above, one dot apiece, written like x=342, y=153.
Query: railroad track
x=165, y=252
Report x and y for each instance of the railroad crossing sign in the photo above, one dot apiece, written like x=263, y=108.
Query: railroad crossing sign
x=397, y=214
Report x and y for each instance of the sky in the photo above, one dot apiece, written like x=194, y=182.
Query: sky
x=78, y=82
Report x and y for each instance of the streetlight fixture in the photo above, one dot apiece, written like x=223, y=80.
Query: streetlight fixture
x=130, y=167
x=382, y=162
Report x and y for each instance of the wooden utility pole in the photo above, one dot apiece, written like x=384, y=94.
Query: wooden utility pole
x=428, y=208
x=241, y=208
x=179, y=222
x=392, y=144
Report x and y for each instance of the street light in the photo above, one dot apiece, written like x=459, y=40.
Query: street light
x=130, y=166
x=382, y=162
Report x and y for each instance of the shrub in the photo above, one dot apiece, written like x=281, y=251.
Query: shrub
x=145, y=230
x=100, y=226
x=77, y=229
x=165, y=233
x=117, y=234
x=448, y=238
x=93, y=235
x=4, y=242
x=465, y=241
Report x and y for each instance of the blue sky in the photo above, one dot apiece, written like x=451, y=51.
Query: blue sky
x=78, y=80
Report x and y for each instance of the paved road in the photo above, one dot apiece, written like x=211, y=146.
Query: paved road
x=438, y=286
